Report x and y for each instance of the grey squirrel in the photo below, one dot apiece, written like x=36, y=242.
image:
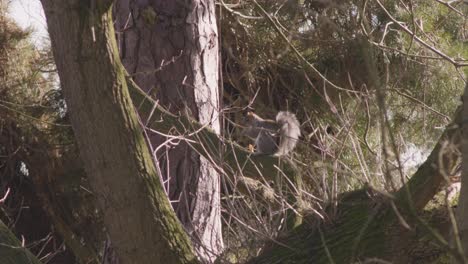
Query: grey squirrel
x=273, y=137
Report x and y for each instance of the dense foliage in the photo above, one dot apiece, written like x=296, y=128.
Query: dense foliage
x=382, y=101
x=373, y=83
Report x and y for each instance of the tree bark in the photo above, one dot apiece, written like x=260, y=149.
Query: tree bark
x=170, y=49
x=96, y=90
x=461, y=235
x=136, y=212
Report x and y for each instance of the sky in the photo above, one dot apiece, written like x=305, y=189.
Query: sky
x=29, y=13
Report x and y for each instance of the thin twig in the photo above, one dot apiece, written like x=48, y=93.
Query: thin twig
x=401, y=25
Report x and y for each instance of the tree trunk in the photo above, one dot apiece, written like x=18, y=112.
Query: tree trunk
x=137, y=214
x=125, y=183
x=170, y=48
x=461, y=236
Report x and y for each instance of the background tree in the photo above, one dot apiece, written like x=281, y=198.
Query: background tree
x=30, y=118
x=171, y=52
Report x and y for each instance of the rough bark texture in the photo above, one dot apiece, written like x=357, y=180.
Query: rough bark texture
x=462, y=210
x=170, y=48
x=136, y=212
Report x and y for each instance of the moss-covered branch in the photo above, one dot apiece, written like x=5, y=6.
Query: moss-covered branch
x=441, y=163
x=11, y=250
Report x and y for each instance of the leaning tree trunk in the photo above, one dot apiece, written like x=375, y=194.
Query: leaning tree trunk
x=170, y=48
x=136, y=212
x=461, y=235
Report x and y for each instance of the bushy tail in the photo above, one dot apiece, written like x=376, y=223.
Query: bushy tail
x=290, y=132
